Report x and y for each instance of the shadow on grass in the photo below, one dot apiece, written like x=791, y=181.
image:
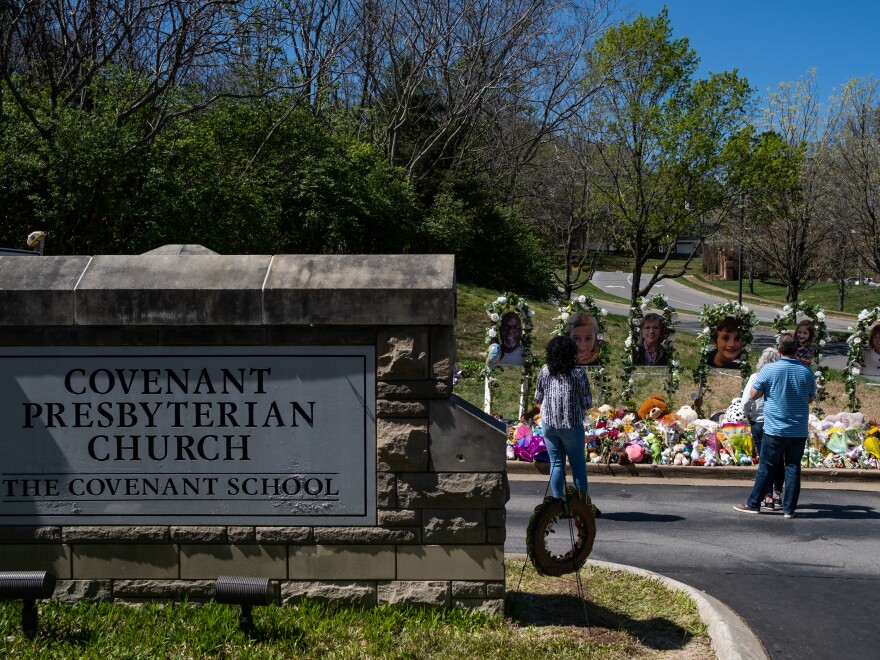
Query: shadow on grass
x=531, y=609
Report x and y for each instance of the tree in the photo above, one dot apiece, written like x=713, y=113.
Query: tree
x=782, y=175
x=660, y=138
x=446, y=81
x=855, y=153
x=560, y=199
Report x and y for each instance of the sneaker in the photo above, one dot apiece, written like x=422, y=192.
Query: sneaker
x=745, y=508
x=767, y=505
x=777, y=502
x=788, y=515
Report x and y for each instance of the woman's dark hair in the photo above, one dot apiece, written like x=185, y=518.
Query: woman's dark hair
x=561, y=352
x=874, y=332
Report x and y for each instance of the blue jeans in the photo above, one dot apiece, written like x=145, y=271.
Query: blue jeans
x=561, y=443
x=777, y=449
x=779, y=475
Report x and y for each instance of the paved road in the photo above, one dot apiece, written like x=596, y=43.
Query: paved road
x=686, y=299
x=808, y=587
x=690, y=302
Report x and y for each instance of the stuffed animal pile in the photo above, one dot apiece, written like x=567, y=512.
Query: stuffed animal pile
x=654, y=434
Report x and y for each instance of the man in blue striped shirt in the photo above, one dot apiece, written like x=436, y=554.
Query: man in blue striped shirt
x=788, y=388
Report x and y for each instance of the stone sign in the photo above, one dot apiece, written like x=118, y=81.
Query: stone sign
x=190, y=435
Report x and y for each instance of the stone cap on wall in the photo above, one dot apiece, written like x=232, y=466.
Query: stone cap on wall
x=174, y=286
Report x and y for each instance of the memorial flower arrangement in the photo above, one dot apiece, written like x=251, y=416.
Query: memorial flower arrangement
x=855, y=359
x=668, y=321
x=495, y=310
x=563, y=320
x=787, y=319
x=710, y=317
x=615, y=436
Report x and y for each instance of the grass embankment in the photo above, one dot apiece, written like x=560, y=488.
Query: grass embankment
x=823, y=294
x=630, y=617
x=470, y=334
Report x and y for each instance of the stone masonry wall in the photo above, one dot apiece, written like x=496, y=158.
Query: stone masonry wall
x=441, y=488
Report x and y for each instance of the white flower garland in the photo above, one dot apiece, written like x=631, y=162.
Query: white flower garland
x=495, y=310
x=710, y=317
x=668, y=321
x=577, y=306
x=787, y=317
x=855, y=356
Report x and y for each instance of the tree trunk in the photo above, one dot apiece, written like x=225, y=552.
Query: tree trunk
x=636, y=280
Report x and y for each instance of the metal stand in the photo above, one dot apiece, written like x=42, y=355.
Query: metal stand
x=577, y=571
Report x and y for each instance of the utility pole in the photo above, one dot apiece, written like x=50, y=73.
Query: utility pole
x=739, y=265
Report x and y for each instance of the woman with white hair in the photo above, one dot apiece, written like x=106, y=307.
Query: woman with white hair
x=772, y=500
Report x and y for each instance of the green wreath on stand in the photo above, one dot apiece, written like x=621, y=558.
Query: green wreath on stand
x=855, y=355
x=570, y=310
x=668, y=321
x=574, y=529
x=788, y=317
x=710, y=317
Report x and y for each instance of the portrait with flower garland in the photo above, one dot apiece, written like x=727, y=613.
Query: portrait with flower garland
x=725, y=340
x=582, y=320
x=650, y=343
x=813, y=317
x=860, y=346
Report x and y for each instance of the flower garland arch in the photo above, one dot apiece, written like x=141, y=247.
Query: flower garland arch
x=668, y=321
x=710, y=317
x=855, y=356
x=788, y=317
x=577, y=306
x=495, y=310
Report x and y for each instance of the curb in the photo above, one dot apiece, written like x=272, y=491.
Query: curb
x=691, y=472
x=729, y=636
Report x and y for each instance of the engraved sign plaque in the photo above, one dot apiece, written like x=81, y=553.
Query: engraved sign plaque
x=188, y=435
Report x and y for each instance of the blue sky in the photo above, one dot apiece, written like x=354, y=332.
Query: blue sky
x=774, y=41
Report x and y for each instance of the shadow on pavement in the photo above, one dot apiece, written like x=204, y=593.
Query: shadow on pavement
x=637, y=516
x=837, y=511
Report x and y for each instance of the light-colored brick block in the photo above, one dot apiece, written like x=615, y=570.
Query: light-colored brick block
x=449, y=562
x=342, y=562
x=362, y=594
x=414, y=592
x=129, y=561
x=208, y=561
x=54, y=558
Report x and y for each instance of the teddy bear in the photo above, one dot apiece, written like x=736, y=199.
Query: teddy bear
x=653, y=408
x=679, y=455
x=688, y=414
x=847, y=420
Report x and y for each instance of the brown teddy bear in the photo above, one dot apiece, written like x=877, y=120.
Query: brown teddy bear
x=654, y=408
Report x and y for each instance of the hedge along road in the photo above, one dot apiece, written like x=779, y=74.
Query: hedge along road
x=808, y=587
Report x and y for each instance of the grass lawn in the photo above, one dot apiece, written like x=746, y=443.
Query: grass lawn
x=622, y=262
x=630, y=617
x=470, y=333
x=823, y=294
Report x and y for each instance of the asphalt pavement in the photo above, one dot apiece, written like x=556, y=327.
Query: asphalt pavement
x=807, y=587
x=690, y=302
